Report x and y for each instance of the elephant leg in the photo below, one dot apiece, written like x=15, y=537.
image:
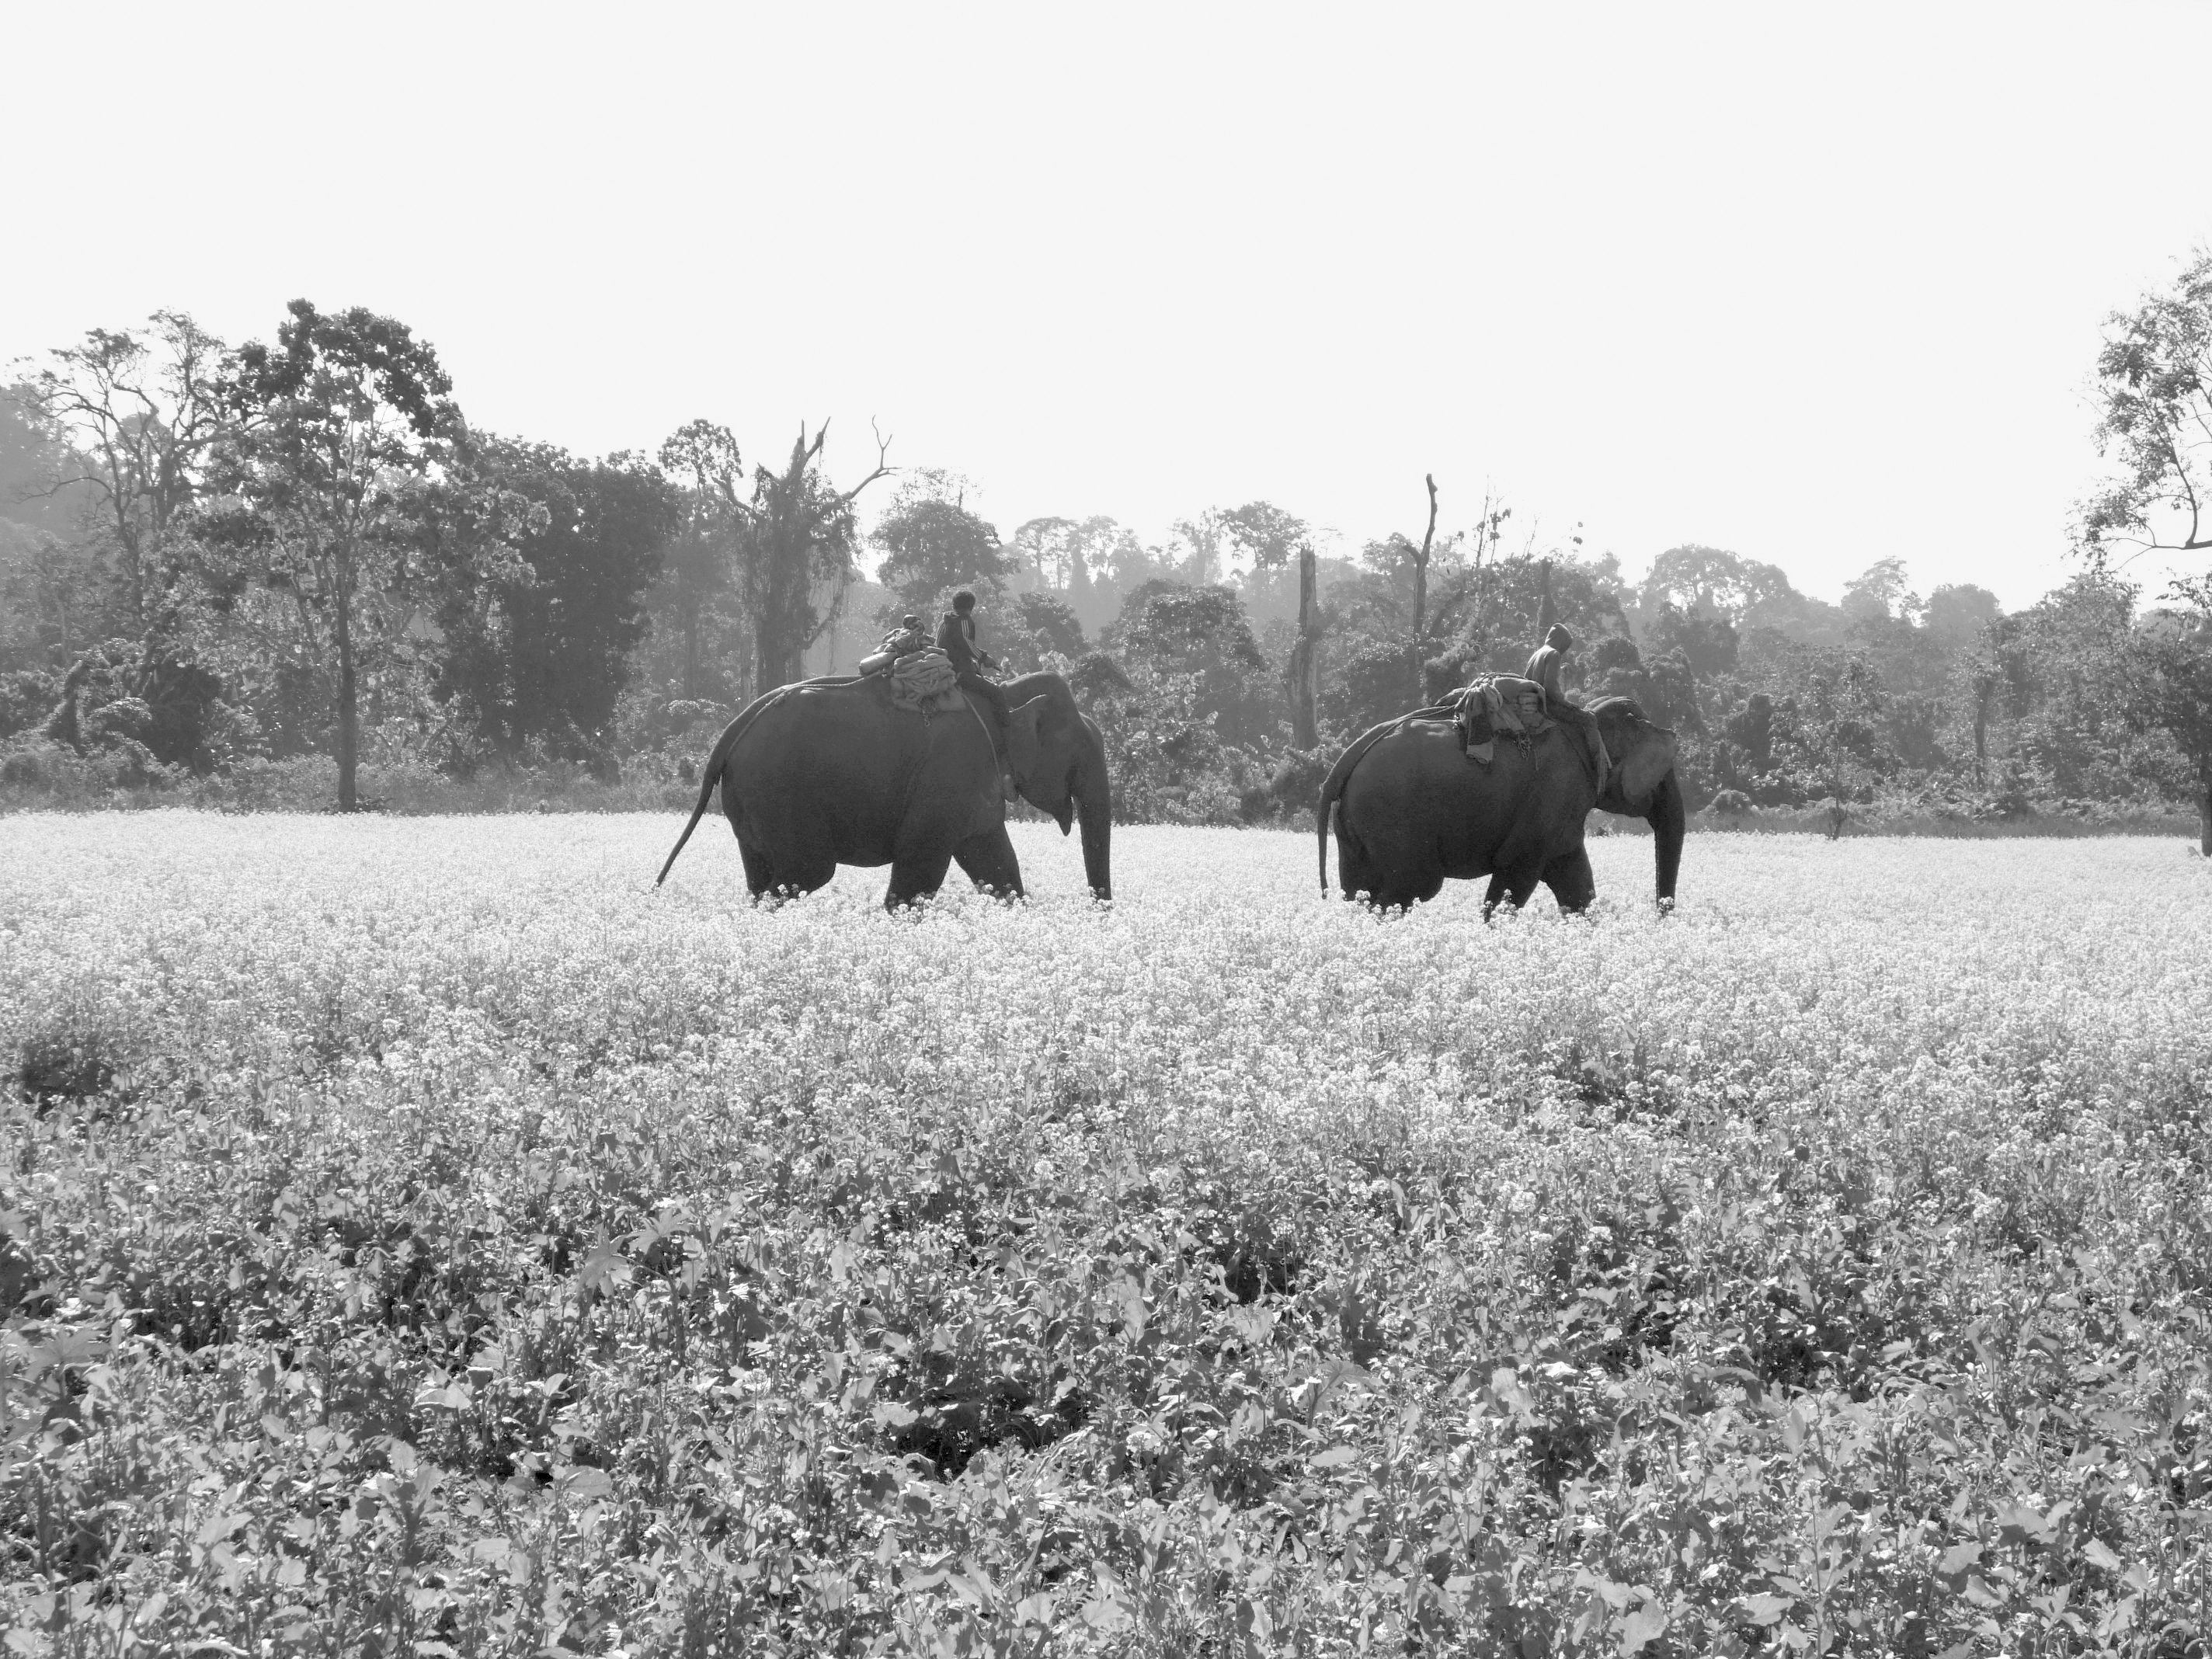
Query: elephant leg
x=1512, y=888
x=760, y=873
x=989, y=861
x=915, y=875
x=1572, y=881
x=794, y=876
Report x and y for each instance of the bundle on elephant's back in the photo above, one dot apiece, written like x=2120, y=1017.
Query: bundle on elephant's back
x=1410, y=808
x=832, y=771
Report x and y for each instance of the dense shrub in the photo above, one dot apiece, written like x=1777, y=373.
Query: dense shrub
x=1217, y=1272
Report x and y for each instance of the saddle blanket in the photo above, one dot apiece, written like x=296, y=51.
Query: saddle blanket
x=925, y=681
x=1497, y=702
x=1508, y=702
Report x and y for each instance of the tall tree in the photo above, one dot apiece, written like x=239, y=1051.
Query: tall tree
x=1198, y=546
x=702, y=603
x=1878, y=592
x=2169, y=677
x=2154, y=393
x=332, y=496
x=33, y=454
x=137, y=411
x=1270, y=536
x=932, y=543
x=541, y=651
x=1305, y=675
x=1198, y=640
x=1693, y=577
x=802, y=536
x=1047, y=547
x=1419, y=639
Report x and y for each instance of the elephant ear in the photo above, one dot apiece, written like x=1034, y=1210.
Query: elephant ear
x=1642, y=753
x=1027, y=729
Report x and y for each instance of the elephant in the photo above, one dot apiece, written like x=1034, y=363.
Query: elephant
x=1410, y=808
x=829, y=771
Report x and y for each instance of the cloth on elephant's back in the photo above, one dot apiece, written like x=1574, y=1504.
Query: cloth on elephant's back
x=1491, y=703
x=925, y=682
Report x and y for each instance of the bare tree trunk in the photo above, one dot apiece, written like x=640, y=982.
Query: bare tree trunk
x=1547, y=613
x=2204, y=817
x=1305, y=658
x=348, y=706
x=1421, y=596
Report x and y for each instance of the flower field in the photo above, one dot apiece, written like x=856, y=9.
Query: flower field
x=423, y=1235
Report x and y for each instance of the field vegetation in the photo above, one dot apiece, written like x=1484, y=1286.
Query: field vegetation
x=425, y=1237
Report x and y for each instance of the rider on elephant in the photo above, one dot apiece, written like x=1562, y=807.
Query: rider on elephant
x=1544, y=664
x=956, y=637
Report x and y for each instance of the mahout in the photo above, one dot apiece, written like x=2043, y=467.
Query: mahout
x=1411, y=807
x=834, y=771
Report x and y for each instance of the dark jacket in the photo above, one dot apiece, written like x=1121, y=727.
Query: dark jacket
x=956, y=638
x=1544, y=669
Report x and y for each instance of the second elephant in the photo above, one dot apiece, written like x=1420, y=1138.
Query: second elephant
x=1410, y=808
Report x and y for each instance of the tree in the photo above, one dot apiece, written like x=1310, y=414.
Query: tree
x=931, y=544
x=331, y=494
x=1421, y=593
x=1304, y=674
x=1047, y=547
x=540, y=653
x=1707, y=642
x=802, y=536
x=137, y=412
x=50, y=603
x=1878, y=594
x=1694, y=577
x=1202, y=540
x=2170, y=686
x=2155, y=394
x=1198, y=636
x=34, y=455
x=1264, y=532
x=1957, y=615
x=702, y=602
x=1040, y=625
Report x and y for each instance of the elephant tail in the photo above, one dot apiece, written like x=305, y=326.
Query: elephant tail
x=1332, y=789
x=711, y=774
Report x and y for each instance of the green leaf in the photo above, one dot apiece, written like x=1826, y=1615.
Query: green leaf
x=1768, y=1609
x=1644, y=1625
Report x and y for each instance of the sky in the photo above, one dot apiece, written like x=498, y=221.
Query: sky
x=1819, y=285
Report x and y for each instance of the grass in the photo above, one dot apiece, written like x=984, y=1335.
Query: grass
x=428, y=1238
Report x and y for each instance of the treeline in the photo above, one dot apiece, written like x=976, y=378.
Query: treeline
x=216, y=557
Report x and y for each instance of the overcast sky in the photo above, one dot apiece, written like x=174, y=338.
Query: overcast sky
x=1815, y=285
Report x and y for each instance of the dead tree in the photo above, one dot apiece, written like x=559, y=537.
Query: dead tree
x=802, y=530
x=1421, y=594
x=1305, y=656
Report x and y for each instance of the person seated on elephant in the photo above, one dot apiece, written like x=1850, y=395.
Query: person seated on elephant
x=1545, y=662
x=956, y=637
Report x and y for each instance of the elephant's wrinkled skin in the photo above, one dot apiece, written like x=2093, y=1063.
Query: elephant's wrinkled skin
x=828, y=773
x=1410, y=808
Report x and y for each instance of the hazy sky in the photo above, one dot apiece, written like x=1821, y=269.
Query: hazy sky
x=1817, y=285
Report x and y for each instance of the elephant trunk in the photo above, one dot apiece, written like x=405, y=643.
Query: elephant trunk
x=1094, y=806
x=1667, y=820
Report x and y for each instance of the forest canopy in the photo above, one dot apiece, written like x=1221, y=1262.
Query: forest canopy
x=218, y=557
